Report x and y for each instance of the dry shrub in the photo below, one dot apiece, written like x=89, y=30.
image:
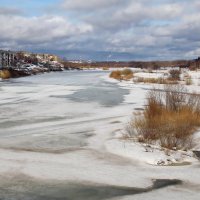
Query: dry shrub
x=155, y=80
x=128, y=77
x=5, y=74
x=116, y=75
x=193, y=68
x=174, y=74
x=149, y=80
x=125, y=74
x=188, y=80
x=105, y=68
x=170, y=118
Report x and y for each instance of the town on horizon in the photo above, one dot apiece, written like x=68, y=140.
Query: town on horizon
x=56, y=57
x=24, y=63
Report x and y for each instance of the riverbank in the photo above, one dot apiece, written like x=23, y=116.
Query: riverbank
x=19, y=72
x=127, y=146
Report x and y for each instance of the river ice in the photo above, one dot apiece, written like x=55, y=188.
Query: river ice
x=55, y=131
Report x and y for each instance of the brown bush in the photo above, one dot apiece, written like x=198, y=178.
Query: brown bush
x=174, y=74
x=125, y=74
x=128, y=77
x=5, y=74
x=116, y=75
x=188, y=81
x=155, y=80
x=193, y=68
x=105, y=68
x=170, y=118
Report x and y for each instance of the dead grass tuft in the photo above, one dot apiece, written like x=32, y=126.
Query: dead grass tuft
x=156, y=80
x=105, y=68
x=125, y=74
x=116, y=75
x=5, y=74
x=170, y=118
x=174, y=74
x=188, y=80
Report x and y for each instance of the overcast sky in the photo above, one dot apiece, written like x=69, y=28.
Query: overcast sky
x=103, y=29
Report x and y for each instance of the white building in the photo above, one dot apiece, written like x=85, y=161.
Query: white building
x=7, y=58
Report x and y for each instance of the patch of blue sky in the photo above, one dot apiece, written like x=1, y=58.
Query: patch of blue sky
x=162, y=22
x=29, y=7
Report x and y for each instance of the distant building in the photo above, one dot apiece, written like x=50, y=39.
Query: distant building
x=45, y=57
x=54, y=58
x=10, y=58
x=42, y=57
x=48, y=57
x=24, y=53
x=7, y=58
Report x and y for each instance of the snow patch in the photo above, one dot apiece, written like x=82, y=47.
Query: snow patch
x=148, y=153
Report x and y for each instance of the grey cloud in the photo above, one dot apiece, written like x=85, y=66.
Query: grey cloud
x=133, y=15
x=10, y=11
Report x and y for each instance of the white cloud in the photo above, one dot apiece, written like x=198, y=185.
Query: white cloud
x=10, y=11
x=193, y=53
x=39, y=29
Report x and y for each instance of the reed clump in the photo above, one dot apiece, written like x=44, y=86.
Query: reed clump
x=5, y=74
x=155, y=80
x=169, y=119
x=125, y=74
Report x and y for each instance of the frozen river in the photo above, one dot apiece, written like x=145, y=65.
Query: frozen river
x=57, y=110
x=53, y=131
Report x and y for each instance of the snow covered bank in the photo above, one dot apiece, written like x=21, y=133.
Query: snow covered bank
x=153, y=155
x=148, y=153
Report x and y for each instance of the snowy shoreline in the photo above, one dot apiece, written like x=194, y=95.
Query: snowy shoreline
x=150, y=154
